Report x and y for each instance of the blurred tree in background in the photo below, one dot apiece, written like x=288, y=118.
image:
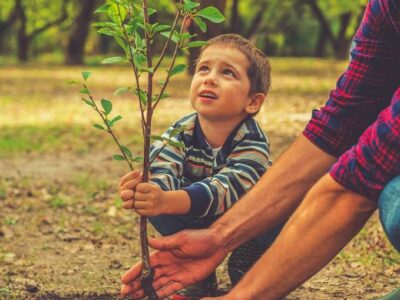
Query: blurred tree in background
x=32, y=28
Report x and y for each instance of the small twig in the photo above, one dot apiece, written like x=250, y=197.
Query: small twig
x=168, y=40
x=172, y=65
x=135, y=71
x=109, y=129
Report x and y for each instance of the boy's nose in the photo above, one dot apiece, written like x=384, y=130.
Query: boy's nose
x=210, y=80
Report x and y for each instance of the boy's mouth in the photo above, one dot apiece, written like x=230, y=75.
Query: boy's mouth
x=208, y=95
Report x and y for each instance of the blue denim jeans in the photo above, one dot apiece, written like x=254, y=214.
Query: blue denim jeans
x=170, y=224
x=389, y=211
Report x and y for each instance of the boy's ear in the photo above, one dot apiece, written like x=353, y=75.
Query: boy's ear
x=255, y=103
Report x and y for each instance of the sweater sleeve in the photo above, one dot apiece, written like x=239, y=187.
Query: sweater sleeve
x=244, y=166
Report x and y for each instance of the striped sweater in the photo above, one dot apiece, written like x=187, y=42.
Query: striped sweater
x=214, y=184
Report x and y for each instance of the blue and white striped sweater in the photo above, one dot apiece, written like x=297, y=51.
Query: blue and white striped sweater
x=213, y=185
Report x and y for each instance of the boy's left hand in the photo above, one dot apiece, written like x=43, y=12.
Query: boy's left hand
x=149, y=199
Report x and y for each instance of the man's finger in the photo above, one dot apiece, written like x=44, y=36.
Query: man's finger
x=166, y=243
x=132, y=274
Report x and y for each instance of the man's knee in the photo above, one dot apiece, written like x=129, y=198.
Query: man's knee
x=389, y=211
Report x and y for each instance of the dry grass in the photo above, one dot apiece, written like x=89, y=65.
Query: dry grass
x=63, y=230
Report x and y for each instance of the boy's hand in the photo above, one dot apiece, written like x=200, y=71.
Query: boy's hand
x=127, y=186
x=150, y=199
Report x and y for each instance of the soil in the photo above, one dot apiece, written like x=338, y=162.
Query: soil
x=54, y=245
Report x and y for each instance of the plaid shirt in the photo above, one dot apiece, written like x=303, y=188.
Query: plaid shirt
x=360, y=123
x=214, y=184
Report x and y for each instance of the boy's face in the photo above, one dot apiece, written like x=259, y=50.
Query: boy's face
x=220, y=87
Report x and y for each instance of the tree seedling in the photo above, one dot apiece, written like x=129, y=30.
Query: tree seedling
x=129, y=24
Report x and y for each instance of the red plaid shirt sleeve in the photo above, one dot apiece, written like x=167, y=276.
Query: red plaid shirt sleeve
x=362, y=93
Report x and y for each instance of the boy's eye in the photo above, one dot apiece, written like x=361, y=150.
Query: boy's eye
x=229, y=72
x=202, y=68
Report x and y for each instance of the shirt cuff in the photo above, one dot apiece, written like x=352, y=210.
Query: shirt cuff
x=351, y=174
x=199, y=199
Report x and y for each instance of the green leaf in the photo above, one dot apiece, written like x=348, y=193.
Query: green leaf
x=178, y=69
x=105, y=24
x=112, y=60
x=176, y=144
x=90, y=103
x=139, y=60
x=212, y=14
x=190, y=5
x=84, y=91
x=72, y=82
x=138, y=159
x=175, y=36
x=142, y=96
x=106, y=31
x=117, y=13
x=160, y=28
x=121, y=90
x=127, y=152
x=161, y=82
x=107, y=106
x=196, y=44
x=103, y=8
x=157, y=138
x=122, y=44
x=186, y=35
x=149, y=70
x=114, y=120
x=202, y=25
x=151, y=11
x=177, y=130
x=86, y=75
x=98, y=126
x=163, y=96
x=118, y=157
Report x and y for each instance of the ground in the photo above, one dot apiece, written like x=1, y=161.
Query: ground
x=63, y=233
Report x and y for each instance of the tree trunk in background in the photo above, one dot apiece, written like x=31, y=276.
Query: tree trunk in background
x=342, y=42
x=4, y=28
x=76, y=44
x=235, y=18
x=256, y=22
x=321, y=44
x=23, y=39
x=212, y=30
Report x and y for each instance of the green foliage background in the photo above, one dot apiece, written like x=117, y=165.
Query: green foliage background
x=287, y=27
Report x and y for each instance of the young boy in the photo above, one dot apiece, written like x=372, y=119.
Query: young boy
x=225, y=154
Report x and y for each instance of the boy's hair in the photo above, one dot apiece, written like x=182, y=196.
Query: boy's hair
x=259, y=67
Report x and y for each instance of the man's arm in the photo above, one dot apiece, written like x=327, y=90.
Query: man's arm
x=191, y=255
x=276, y=195
x=326, y=220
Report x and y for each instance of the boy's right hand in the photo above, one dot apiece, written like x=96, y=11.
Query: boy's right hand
x=127, y=186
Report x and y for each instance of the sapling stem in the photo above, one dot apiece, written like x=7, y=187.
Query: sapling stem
x=131, y=28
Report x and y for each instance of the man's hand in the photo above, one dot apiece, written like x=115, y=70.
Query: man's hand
x=183, y=259
x=150, y=200
x=127, y=186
